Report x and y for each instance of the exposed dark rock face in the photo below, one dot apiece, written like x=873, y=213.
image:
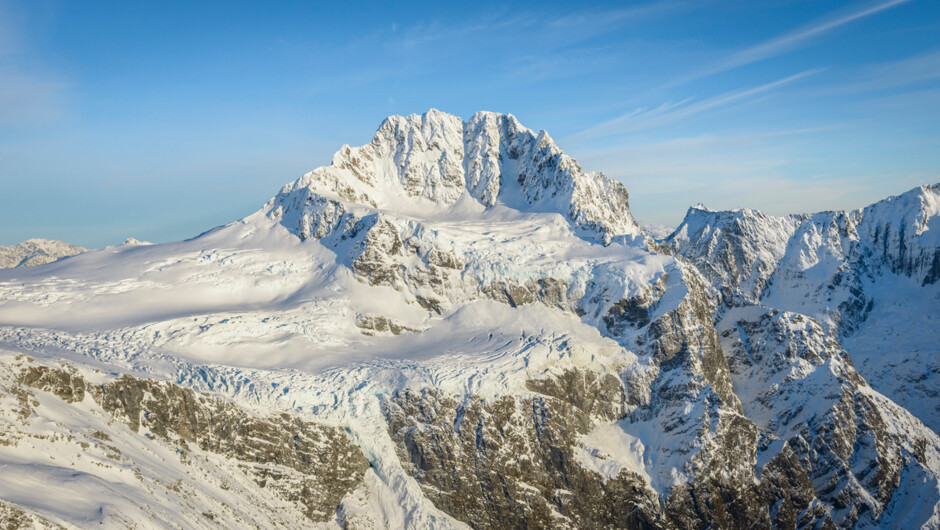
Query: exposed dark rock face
x=839, y=440
x=933, y=272
x=302, y=462
x=65, y=383
x=377, y=251
x=509, y=463
x=372, y=324
x=601, y=395
x=678, y=334
x=819, y=453
x=549, y=291
x=444, y=258
x=723, y=493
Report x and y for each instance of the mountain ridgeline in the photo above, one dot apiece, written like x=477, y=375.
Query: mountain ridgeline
x=853, y=272
x=455, y=325
x=435, y=160
x=34, y=252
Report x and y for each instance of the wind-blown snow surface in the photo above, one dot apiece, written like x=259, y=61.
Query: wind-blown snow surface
x=450, y=271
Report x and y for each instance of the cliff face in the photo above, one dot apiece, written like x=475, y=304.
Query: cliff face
x=805, y=443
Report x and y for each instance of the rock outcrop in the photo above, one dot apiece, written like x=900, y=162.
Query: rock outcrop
x=307, y=465
x=511, y=463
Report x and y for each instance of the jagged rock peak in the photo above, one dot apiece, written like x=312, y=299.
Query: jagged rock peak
x=912, y=212
x=900, y=233
x=422, y=162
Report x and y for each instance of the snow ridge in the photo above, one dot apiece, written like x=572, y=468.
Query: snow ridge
x=746, y=247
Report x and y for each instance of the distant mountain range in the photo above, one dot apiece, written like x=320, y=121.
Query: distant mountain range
x=455, y=325
x=34, y=252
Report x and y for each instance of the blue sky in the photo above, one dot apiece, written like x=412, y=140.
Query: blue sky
x=160, y=120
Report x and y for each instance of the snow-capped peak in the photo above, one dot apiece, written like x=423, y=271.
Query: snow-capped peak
x=434, y=161
x=900, y=233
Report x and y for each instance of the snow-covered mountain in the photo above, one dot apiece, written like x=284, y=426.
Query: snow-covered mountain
x=453, y=326
x=34, y=252
x=869, y=277
x=435, y=164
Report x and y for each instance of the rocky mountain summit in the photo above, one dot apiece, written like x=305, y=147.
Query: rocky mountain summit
x=34, y=252
x=455, y=325
x=867, y=276
x=434, y=161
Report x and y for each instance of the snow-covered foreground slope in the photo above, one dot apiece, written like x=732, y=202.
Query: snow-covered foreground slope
x=85, y=447
x=478, y=319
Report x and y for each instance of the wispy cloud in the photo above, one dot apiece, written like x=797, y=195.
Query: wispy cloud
x=668, y=113
x=920, y=68
x=506, y=46
x=567, y=27
x=554, y=30
x=788, y=41
x=597, y=19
